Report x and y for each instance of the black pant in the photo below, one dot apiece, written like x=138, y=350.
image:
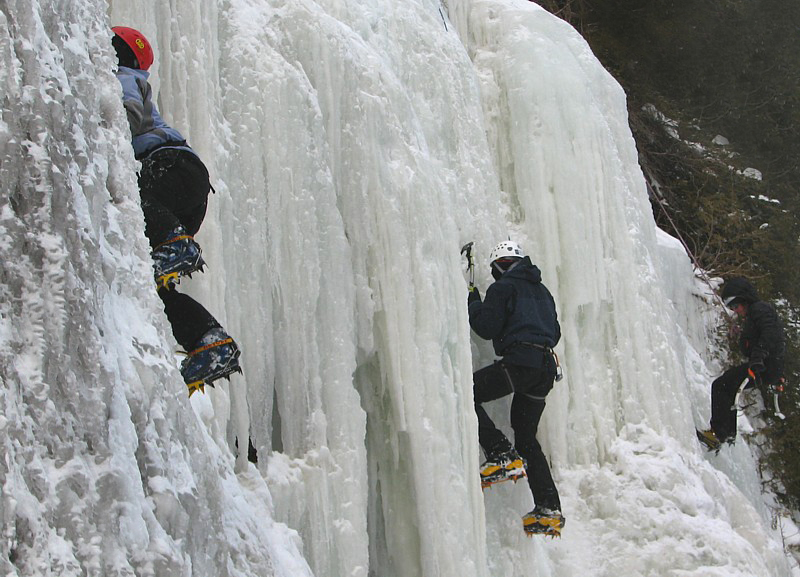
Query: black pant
x=189, y=319
x=529, y=387
x=174, y=187
x=723, y=394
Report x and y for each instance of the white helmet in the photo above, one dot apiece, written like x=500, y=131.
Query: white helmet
x=506, y=249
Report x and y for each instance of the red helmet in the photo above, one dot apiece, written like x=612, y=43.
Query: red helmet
x=138, y=43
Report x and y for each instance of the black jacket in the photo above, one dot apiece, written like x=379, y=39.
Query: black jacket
x=762, y=338
x=518, y=311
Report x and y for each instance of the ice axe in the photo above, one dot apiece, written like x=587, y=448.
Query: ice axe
x=467, y=249
x=776, y=389
x=750, y=376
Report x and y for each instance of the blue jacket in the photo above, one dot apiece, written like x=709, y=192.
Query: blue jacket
x=148, y=129
x=517, y=312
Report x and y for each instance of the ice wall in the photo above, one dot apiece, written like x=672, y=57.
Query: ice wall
x=340, y=195
x=620, y=427
x=354, y=147
x=565, y=156
x=106, y=470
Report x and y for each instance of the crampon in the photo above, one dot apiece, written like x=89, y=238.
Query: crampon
x=201, y=385
x=176, y=257
x=499, y=471
x=543, y=522
x=216, y=357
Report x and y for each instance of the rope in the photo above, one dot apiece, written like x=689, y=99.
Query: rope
x=679, y=236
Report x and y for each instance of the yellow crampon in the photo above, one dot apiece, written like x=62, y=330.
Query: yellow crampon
x=200, y=385
x=493, y=474
x=164, y=280
x=550, y=526
x=196, y=386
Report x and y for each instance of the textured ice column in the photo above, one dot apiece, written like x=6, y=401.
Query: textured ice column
x=620, y=424
x=394, y=131
x=565, y=155
x=106, y=468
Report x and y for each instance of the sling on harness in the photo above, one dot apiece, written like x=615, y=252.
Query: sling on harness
x=545, y=349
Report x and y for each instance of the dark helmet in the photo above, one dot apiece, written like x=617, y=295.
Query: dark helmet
x=139, y=46
x=738, y=289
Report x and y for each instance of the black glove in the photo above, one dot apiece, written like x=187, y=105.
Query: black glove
x=474, y=295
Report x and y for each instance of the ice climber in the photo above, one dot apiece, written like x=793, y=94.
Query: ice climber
x=519, y=315
x=174, y=186
x=762, y=343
